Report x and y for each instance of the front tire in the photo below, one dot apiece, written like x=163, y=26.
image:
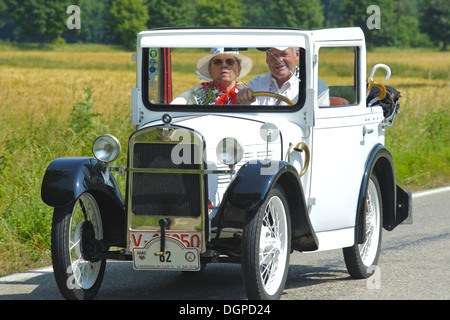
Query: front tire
x=360, y=259
x=266, y=245
x=75, y=230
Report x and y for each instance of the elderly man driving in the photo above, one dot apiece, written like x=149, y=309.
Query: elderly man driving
x=282, y=79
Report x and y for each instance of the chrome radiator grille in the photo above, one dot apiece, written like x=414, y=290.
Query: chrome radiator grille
x=164, y=194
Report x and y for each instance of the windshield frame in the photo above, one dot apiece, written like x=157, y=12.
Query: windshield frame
x=218, y=108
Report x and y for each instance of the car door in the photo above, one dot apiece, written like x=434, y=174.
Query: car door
x=338, y=142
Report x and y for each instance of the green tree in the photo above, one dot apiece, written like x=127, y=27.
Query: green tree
x=127, y=18
x=407, y=33
x=44, y=18
x=2, y=9
x=228, y=13
x=171, y=13
x=399, y=25
x=257, y=13
x=307, y=14
x=435, y=21
x=94, y=14
x=355, y=15
x=331, y=9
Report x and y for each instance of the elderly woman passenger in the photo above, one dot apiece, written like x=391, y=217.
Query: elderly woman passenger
x=222, y=68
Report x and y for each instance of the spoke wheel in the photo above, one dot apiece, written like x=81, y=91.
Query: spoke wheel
x=360, y=259
x=266, y=248
x=75, y=231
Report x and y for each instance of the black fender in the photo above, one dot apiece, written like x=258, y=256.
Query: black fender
x=393, y=197
x=249, y=189
x=67, y=178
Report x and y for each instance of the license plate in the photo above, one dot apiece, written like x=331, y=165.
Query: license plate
x=139, y=238
x=176, y=256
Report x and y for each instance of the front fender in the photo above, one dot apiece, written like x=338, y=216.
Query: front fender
x=253, y=182
x=67, y=178
x=249, y=189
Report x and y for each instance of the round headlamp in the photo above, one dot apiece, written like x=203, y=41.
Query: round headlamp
x=229, y=151
x=106, y=148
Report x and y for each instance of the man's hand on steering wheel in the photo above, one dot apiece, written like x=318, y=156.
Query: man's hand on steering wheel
x=245, y=96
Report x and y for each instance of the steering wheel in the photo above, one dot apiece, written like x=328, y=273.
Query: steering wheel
x=273, y=95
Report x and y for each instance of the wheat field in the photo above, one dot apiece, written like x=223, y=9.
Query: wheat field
x=38, y=91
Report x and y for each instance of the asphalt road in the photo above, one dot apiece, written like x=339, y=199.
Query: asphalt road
x=414, y=264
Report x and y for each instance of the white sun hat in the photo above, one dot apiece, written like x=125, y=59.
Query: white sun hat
x=203, y=62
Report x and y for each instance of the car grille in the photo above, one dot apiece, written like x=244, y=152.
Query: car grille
x=164, y=194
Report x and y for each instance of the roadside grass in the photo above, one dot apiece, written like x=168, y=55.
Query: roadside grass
x=47, y=111
x=420, y=138
x=28, y=148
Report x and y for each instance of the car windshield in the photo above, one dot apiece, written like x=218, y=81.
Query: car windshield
x=209, y=79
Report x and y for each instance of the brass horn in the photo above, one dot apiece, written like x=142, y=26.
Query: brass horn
x=300, y=147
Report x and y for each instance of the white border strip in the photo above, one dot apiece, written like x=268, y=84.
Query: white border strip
x=26, y=275
x=430, y=192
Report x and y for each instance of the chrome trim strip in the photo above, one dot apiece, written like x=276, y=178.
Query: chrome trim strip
x=186, y=171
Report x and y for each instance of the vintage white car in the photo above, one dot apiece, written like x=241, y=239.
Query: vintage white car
x=300, y=168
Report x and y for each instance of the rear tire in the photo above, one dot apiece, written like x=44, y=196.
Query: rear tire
x=361, y=259
x=266, y=246
x=74, y=228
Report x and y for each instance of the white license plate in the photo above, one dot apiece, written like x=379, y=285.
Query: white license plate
x=176, y=256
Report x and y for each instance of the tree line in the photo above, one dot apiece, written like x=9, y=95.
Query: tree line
x=405, y=23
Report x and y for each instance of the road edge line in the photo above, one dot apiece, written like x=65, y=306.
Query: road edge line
x=430, y=192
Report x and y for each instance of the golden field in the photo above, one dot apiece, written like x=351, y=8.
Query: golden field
x=32, y=81
x=35, y=89
x=34, y=84
x=38, y=91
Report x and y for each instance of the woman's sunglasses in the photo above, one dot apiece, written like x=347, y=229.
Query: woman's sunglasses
x=219, y=62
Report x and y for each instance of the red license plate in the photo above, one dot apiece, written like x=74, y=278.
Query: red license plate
x=190, y=239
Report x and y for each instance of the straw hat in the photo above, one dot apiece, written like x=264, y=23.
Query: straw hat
x=203, y=62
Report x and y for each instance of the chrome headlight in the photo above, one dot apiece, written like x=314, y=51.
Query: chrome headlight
x=106, y=148
x=229, y=151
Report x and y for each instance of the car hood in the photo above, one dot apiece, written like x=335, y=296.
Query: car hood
x=214, y=128
x=246, y=129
